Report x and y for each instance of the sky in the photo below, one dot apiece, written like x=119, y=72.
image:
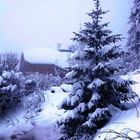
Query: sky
x=45, y=23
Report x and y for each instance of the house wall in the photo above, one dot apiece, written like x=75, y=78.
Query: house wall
x=40, y=68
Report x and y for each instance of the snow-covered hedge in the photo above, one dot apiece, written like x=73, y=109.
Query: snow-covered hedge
x=13, y=87
x=45, y=81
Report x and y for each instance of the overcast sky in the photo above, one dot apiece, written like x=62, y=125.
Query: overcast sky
x=44, y=23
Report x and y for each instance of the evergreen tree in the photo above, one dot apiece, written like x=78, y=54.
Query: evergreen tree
x=133, y=43
x=96, y=88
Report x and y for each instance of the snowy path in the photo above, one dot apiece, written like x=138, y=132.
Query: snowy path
x=41, y=127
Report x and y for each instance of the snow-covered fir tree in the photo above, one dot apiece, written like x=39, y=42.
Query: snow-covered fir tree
x=133, y=43
x=95, y=87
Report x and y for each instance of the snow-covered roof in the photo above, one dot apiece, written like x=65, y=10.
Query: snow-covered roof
x=47, y=56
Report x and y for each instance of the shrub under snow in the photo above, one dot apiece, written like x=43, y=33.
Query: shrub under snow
x=10, y=90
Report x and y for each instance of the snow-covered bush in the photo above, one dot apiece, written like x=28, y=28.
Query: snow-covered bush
x=29, y=86
x=10, y=93
x=13, y=88
x=32, y=104
x=36, y=83
x=96, y=88
x=33, y=96
x=33, y=88
x=44, y=81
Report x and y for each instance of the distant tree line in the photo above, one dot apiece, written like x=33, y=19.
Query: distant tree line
x=8, y=61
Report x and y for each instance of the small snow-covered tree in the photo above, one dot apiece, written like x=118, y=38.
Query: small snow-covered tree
x=10, y=93
x=133, y=42
x=95, y=87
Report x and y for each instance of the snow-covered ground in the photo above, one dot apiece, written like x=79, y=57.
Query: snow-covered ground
x=42, y=126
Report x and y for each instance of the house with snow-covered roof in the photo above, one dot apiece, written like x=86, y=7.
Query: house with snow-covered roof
x=45, y=60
